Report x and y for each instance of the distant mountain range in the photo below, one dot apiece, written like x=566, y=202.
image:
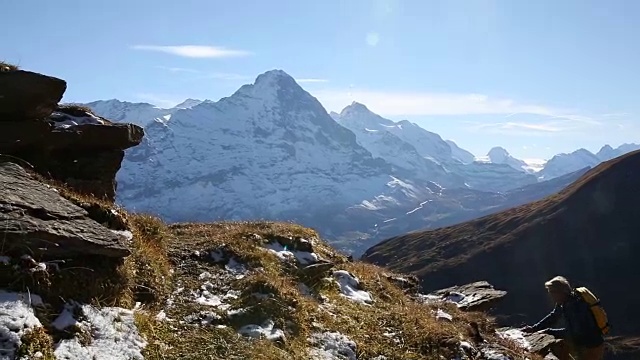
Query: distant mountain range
x=271, y=151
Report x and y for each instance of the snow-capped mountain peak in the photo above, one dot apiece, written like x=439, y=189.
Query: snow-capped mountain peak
x=498, y=155
x=358, y=116
x=356, y=108
x=189, y=103
x=124, y=111
x=460, y=154
x=607, y=152
x=272, y=87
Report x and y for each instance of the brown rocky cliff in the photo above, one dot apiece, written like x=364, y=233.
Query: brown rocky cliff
x=589, y=232
x=67, y=144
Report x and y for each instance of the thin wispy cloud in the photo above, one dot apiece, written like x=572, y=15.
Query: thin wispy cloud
x=427, y=104
x=616, y=115
x=194, y=51
x=311, y=80
x=372, y=39
x=178, y=69
x=548, y=127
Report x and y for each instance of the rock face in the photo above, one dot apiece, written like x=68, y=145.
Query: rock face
x=26, y=95
x=68, y=144
x=37, y=219
x=588, y=233
x=477, y=296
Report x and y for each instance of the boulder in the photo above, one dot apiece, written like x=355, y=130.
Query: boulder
x=408, y=283
x=26, y=95
x=86, y=157
x=477, y=296
x=37, y=220
x=315, y=272
x=541, y=343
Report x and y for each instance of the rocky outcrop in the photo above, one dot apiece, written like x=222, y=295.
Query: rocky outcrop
x=26, y=95
x=65, y=143
x=477, y=296
x=37, y=220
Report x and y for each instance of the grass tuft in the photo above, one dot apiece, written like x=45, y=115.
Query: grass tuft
x=36, y=344
x=6, y=67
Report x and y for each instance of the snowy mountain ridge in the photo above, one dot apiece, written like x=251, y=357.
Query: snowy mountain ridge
x=268, y=151
x=271, y=151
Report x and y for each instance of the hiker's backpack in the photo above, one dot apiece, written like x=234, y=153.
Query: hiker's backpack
x=596, y=308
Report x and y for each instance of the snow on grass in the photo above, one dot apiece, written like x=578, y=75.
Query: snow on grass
x=16, y=319
x=350, y=287
x=332, y=346
x=236, y=268
x=206, y=294
x=441, y=315
x=128, y=235
x=162, y=316
x=491, y=354
x=516, y=336
x=63, y=120
x=303, y=257
x=113, y=334
x=266, y=331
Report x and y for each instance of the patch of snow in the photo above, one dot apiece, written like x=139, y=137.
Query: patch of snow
x=128, y=235
x=303, y=257
x=332, y=346
x=5, y=260
x=418, y=208
x=70, y=120
x=516, y=336
x=171, y=298
x=237, y=268
x=16, y=318
x=161, y=316
x=266, y=330
x=205, y=296
x=113, y=335
x=350, y=287
x=441, y=315
x=430, y=299
x=491, y=354
x=65, y=319
x=389, y=220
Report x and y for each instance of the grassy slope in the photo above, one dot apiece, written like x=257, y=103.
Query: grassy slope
x=163, y=260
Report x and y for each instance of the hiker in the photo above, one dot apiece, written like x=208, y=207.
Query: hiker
x=582, y=338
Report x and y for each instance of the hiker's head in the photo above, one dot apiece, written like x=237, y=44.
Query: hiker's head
x=559, y=289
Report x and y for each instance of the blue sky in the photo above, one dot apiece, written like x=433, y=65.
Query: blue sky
x=537, y=77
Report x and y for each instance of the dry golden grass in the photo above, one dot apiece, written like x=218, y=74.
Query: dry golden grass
x=6, y=67
x=74, y=109
x=34, y=341
x=418, y=335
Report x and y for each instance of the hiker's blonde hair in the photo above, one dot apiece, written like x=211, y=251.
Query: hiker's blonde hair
x=559, y=283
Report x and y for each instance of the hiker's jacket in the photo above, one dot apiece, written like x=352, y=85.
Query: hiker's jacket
x=579, y=324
